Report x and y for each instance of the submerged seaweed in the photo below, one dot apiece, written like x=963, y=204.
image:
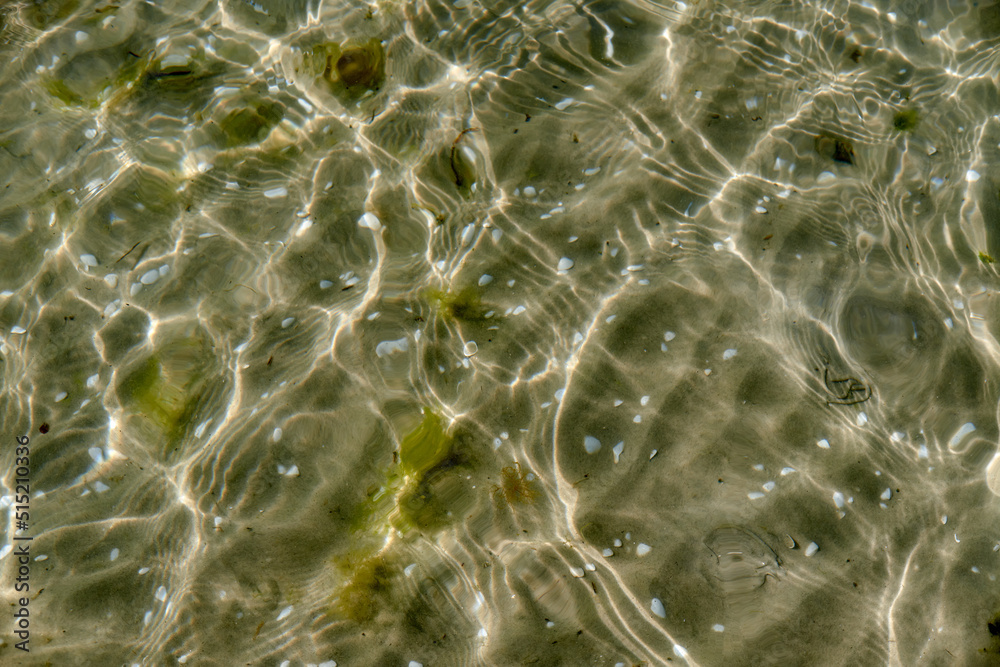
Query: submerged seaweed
x=464, y=305
x=515, y=485
x=352, y=71
x=367, y=589
x=834, y=148
x=905, y=120
x=251, y=124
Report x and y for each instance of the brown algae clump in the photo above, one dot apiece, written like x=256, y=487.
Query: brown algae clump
x=361, y=67
x=515, y=486
x=463, y=168
x=352, y=71
x=834, y=148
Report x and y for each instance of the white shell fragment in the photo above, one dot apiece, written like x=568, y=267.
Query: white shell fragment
x=388, y=347
x=657, y=608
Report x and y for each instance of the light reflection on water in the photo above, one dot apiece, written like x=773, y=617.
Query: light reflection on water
x=566, y=334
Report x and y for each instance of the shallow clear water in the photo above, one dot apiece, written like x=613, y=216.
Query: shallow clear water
x=594, y=333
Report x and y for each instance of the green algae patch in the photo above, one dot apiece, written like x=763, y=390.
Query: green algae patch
x=91, y=79
x=985, y=258
x=178, y=85
x=421, y=491
x=425, y=446
x=906, y=120
x=464, y=305
x=440, y=496
x=367, y=588
x=165, y=390
x=425, y=490
x=59, y=89
x=251, y=124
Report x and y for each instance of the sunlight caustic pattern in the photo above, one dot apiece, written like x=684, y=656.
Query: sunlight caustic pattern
x=469, y=333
